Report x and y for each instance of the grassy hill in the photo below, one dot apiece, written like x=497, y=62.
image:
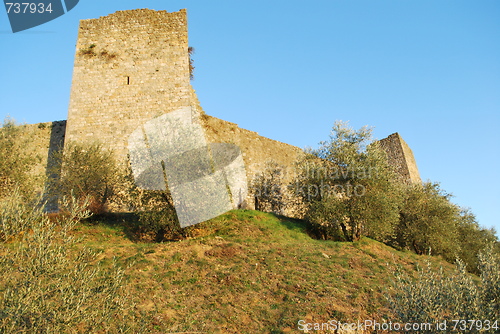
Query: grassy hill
x=248, y=272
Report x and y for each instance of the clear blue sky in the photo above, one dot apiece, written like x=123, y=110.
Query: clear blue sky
x=427, y=69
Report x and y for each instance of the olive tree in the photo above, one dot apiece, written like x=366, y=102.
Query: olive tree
x=430, y=223
x=435, y=296
x=15, y=162
x=88, y=172
x=349, y=187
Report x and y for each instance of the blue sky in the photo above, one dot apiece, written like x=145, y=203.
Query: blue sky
x=429, y=70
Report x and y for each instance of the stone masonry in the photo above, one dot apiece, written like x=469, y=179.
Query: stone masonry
x=130, y=67
x=133, y=66
x=401, y=157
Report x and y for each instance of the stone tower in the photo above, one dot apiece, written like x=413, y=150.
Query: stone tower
x=401, y=157
x=130, y=67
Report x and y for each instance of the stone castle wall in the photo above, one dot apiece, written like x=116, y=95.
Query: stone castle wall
x=130, y=67
x=256, y=150
x=133, y=66
x=401, y=157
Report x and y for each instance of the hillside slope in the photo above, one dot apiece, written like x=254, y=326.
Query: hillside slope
x=250, y=272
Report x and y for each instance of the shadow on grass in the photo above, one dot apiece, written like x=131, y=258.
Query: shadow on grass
x=300, y=225
x=126, y=222
x=314, y=231
x=293, y=224
x=130, y=225
x=141, y=227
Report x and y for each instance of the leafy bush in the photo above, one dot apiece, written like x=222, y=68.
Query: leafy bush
x=157, y=217
x=14, y=167
x=429, y=222
x=88, y=172
x=473, y=240
x=160, y=225
x=47, y=283
x=16, y=219
x=349, y=187
x=434, y=297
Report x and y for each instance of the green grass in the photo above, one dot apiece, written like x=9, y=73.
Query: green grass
x=248, y=272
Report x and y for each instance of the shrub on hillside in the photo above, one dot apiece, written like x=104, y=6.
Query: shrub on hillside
x=160, y=224
x=154, y=209
x=157, y=219
x=48, y=284
x=15, y=162
x=87, y=172
x=348, y=186
x=429, y=222
x=473, y=240
x=434, y=297
x=15, y=217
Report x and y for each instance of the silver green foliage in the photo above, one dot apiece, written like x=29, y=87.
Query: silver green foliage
x=435, y=296
x=48, y=283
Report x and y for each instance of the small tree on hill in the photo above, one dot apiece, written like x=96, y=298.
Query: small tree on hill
x=349, y=187
x=88, y=172
x=473, y=239
x=428, y=222
x=15, y=162
x=434, y=297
